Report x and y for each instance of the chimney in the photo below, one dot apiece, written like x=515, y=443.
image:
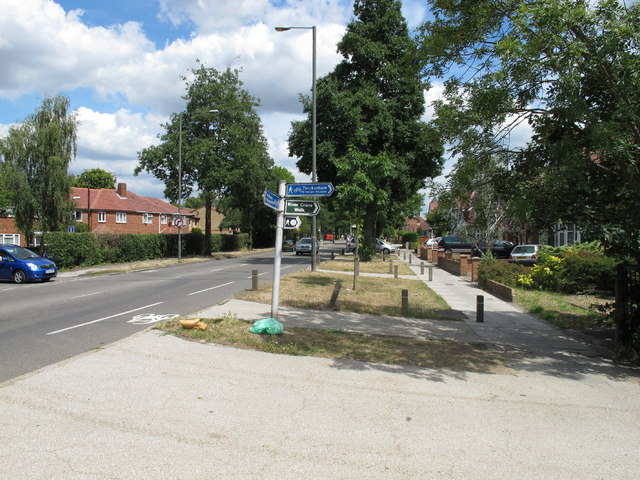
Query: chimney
x=122, y=190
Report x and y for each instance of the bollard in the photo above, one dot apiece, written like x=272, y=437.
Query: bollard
x=254, y=280
x=431, y=274
x=395, y=271
x=342, y=252
x=480, y=309
x=334, y=295
x=390, y=267
x=421, y=268
x=333, y=255
x=405, y=302
x=404, y=256
x=410, y=258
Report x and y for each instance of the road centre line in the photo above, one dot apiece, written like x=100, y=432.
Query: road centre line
x=86, y=295
x=103, y=318
x=263, y=273
x=208, y=289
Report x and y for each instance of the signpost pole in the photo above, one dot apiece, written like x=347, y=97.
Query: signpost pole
x=275, y=292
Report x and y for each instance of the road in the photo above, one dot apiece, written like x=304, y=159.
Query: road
x=44, y=323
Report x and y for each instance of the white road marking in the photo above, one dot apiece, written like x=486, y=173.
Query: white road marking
x=86, y=295
x=208, y=289
x=102, y=319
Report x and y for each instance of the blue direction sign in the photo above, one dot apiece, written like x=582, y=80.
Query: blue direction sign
x=271, y=199
x=309, y=189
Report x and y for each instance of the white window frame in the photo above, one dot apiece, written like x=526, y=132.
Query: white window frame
x=9, y=239
x=77, y=216
x=102, y=217
x=147, y=218
x=163, y=219
x=121, y=217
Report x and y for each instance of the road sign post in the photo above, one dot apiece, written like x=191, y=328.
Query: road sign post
x=275, y=291
x=292, y=222
x=309, y=190
x=307, y=208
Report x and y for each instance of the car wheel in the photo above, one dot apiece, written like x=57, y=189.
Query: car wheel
x=448, y=250
x=19, y=276
x=386, y=251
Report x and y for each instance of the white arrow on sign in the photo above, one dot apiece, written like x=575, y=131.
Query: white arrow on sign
x=292, y=222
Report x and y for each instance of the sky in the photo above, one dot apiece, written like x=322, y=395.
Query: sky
x=120, y=63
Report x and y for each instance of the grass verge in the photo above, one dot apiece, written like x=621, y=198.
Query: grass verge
x=563, y=311
x=345, y=264
x=374, y=295
x=345, y=345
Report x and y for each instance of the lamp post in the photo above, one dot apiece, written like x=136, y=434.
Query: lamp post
x=180, y=184
x=313, y=134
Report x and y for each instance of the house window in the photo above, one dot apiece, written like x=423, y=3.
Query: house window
x=121, y=217
x=102, y=217
x=147, y=218
x=9, y=239
x=163, y=219
x=77, y=216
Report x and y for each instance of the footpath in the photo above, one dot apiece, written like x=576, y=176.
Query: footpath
x=155, y=406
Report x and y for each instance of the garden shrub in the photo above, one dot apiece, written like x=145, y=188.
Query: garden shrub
x=501, y=272
x=73, y=249
x=580, y=268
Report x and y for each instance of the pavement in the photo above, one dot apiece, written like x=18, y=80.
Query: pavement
x=155, y=406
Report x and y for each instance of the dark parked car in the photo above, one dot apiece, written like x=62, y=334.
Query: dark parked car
x=499, y=249
x=22, y=265
x=455, y=245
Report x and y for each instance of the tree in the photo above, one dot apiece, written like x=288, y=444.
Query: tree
x=224, y=152
x=571, y=70
x=37, y=154
x=372, y=101
x=95, y=178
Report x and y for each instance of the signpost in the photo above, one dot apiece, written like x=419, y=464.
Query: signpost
x=292, y=222
x=309, y=189
x=302, y=207
x=271, y=199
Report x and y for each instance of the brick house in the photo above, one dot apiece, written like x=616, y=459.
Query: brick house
x=122, y=211
x=111, y=211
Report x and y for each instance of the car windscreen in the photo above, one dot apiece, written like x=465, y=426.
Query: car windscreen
x=525, y=249
x=21, y=253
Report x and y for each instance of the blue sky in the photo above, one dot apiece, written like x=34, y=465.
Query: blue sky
x=120, y=63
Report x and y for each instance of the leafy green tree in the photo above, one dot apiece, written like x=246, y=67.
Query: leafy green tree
x=224, y=152
x=373, y=101
x=571, y=71
x=95, y=178
x=37, y=154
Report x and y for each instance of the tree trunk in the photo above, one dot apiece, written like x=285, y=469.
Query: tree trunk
x=626, y=315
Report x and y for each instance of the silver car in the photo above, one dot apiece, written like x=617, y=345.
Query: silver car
x=304, y=245
x=524, y=254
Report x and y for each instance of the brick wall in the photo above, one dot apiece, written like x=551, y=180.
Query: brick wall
x=8, y=225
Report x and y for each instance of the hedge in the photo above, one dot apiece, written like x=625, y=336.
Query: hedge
x=85, y=249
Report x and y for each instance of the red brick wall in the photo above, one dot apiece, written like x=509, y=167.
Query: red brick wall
x=8, y=225
x=134, y=224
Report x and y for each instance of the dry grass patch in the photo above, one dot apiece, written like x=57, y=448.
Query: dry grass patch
x=345, y=264
x=378, y=296
x=345, y=345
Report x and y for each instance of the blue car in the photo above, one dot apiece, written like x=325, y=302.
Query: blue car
x=22, y=265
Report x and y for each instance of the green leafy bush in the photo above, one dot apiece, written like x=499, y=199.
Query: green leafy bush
x=73, y=249
x=501, y=272
x=580, y=268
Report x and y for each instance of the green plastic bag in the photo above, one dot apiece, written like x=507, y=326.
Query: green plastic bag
x=270, y=326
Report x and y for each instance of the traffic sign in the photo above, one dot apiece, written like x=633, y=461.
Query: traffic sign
x=292, y=222
x=271, y=199
x=302, y=207
x=309, y=190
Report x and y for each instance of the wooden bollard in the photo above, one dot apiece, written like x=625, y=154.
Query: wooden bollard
x=405, y=302
x=254, y=280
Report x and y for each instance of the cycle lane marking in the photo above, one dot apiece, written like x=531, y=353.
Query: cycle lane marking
x=103, y=318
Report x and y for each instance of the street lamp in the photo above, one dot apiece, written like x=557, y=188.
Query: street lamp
x=180, y=221
x=313, y=134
